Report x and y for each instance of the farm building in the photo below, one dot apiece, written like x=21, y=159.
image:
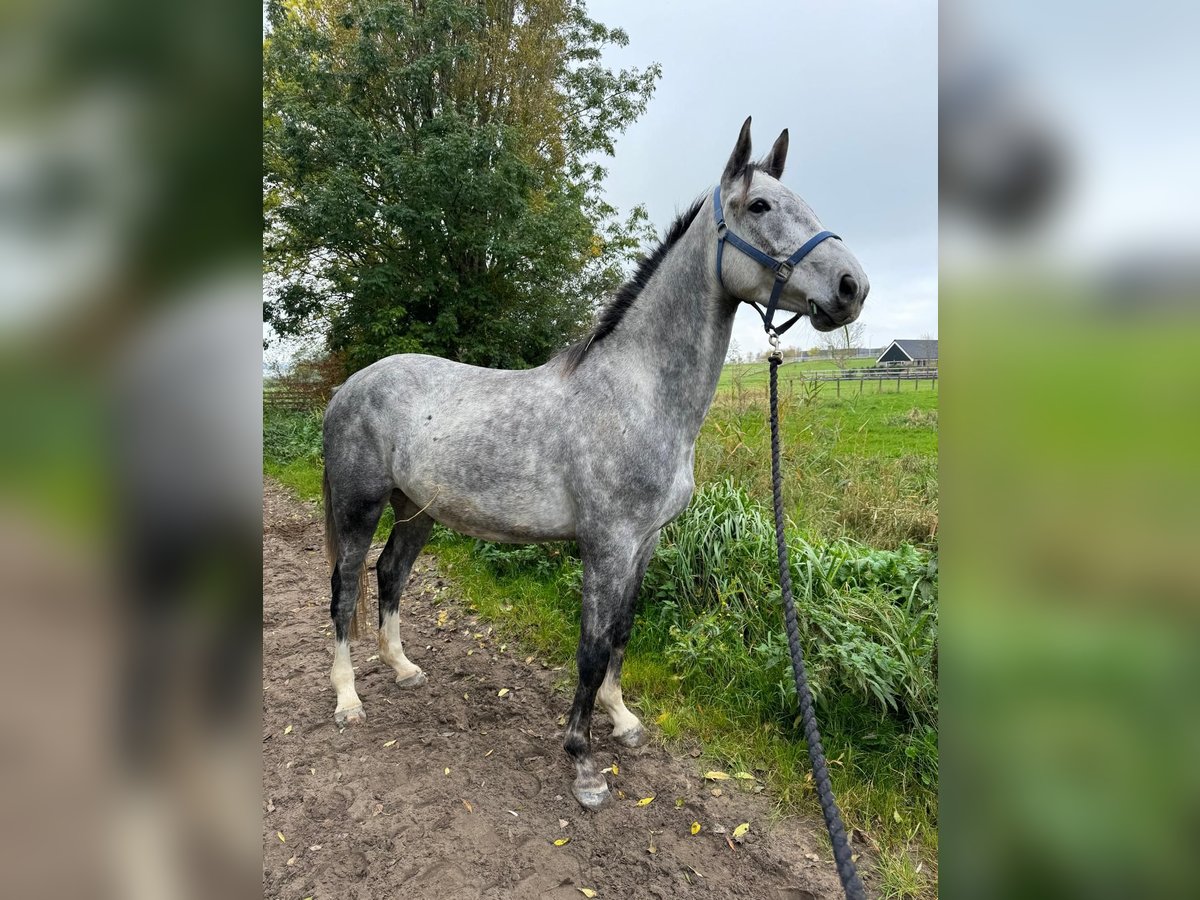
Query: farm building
x=909, y=353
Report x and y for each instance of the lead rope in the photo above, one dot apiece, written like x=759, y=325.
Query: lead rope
x=847, y=871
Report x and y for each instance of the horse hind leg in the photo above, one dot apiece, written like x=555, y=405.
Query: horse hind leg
x=350, y=521
x=409, y=535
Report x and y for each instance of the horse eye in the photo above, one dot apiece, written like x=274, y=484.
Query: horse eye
x=760, y=206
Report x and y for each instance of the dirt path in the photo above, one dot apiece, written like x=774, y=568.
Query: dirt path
x=470, y=797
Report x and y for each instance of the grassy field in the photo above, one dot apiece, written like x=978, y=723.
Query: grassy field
x=708, y=660
x=862, y=466
x=759, y=367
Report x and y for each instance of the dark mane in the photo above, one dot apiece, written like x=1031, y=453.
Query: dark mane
x=612, y=314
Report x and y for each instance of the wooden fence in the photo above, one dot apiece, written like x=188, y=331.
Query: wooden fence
x=295, y=396
x=309, y=385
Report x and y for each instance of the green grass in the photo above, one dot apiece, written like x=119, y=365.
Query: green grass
x=900, y=876
x=708, y=661
x=292, y=450
x=860, y=466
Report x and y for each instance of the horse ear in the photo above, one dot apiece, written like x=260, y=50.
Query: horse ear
x=773, y=164
x=740, y=158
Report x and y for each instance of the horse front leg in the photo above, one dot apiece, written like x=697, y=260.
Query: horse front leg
x=627, y=728
x=607, y=572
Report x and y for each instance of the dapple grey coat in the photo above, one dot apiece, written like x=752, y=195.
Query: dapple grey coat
x=594, y=446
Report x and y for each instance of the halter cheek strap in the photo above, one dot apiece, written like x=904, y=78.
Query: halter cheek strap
x=782, y=269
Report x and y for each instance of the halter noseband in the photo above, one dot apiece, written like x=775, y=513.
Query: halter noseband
x=783, y=270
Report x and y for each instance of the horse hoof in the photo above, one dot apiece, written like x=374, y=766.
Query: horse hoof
x=634, y=738
x=415, y=680
x=355, y=715
x=592, y=794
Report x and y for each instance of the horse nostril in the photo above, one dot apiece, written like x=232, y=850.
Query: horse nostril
x=848, y=287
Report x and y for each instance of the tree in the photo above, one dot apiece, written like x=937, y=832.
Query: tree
x=842, y=343
x=430, y=175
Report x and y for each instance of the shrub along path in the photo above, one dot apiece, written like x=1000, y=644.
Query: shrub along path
x=472, y=796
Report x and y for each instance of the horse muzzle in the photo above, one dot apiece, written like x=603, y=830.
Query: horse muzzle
x=841, y=310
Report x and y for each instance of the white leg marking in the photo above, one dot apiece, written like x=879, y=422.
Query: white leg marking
x=342, y=677
x=609, y=696
x=391, y=649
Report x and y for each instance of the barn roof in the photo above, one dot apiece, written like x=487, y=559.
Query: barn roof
x=915, y=350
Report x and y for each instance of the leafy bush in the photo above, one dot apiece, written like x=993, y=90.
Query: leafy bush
x=555, y=561
x=290, y=436
x=868, y=617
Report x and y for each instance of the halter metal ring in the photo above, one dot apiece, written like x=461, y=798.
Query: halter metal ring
x=784, y=272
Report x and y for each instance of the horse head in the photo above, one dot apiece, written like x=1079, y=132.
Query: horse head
x=827, y=284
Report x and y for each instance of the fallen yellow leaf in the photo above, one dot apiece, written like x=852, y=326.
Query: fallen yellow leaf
x=587, y=892
x=562, y=842
x=716, y=776
x=695, y=828
x=390, y=743
x=288, y=730
x=645, y=801
x=468, y=806
x=741, y=829
x=616, y=771
x=282, y=839
x=743, y=775
x=447, y=770
x=490, y=752
x=502, y=692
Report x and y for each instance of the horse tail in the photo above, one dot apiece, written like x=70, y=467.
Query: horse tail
x=331, y=554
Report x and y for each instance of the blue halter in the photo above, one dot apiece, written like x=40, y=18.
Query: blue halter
x=782, y=270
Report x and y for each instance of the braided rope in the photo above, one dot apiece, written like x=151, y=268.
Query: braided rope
x=851, y=883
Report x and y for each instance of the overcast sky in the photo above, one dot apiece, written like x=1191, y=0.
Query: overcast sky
x=854, y=82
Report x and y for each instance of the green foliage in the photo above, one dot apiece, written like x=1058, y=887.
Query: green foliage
x=430, y=182
x=868, y=617
x=554, y=561
x=290, y=437
x=900, y=878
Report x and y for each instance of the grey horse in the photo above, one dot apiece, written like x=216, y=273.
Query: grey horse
x=595, y=446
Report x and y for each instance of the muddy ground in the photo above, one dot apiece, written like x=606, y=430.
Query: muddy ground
x=450, y=790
